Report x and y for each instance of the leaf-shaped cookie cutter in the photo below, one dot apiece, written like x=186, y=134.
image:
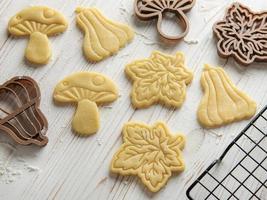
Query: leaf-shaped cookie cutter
x=20, y=116
x=242, y=34
x=155, y=9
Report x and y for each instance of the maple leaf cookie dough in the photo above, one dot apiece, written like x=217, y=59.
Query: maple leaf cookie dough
x=38, y=23
x=222, y=102
x=159, y=79
x=102, y=37
x=87, y=89
x=149, y=152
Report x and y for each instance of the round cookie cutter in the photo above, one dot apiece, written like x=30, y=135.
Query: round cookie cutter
x=156, y=9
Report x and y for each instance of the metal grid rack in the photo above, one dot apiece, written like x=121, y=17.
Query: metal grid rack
x=241, y=171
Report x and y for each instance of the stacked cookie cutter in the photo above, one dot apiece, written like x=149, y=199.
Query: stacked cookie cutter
x=156, y=9
x=20, y=116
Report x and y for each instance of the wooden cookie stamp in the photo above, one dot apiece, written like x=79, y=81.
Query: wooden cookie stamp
x=20, y=116
x=242, y=34
x=155, y=9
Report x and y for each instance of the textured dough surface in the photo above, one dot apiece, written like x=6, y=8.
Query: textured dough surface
x=38, y=50
x=149, y=152
x=102, y=37
x=222, y=103
x=86, y=120
x=159, y=79
x=37, y=22
x=87, y=89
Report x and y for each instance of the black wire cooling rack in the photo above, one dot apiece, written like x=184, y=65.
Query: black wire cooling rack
x=241, y=171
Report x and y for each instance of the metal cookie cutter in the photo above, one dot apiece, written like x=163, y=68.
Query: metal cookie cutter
x=20, y=116
x=155, y=9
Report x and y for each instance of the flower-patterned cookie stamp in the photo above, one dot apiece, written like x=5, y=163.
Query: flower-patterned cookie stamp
x=149, y=152
x=242, y=34
x=159, y=79
x=156, y=9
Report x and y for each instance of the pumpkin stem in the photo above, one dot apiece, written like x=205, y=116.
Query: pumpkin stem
x=79, y=10
x=86, y=119
x=207, y=67
x=38, y=50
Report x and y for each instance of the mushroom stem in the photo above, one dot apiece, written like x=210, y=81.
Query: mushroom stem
x=38, y=50
x=86, y=119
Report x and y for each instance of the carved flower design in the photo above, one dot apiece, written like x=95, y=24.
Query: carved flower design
x=159, y=79
x=149, y=152
x=242, y=34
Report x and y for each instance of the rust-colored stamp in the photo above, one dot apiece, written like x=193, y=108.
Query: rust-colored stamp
x=155, y=9
x=242, y=34
x=20, y=116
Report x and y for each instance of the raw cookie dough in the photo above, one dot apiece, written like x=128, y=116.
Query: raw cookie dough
x=37, y=22
x=87, y=89
x=102, y=37
x=222, y=103
x=159, y=79
x=149, y=152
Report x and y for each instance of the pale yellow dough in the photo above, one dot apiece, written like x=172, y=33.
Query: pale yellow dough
x=102, y=37
x=159, y=79
x=38, y=23
x=149, y=152
x=87, y=89
x=222, y=103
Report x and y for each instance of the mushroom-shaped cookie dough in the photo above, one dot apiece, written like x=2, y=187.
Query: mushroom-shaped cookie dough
x=38, y=23
x=88, y=89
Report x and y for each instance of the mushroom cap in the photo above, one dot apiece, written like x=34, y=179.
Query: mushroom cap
x=86, y=85
x=37, y=19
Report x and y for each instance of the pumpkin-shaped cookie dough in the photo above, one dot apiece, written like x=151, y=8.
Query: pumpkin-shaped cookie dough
x=38, y=23
x=102, y=37
x=222, y=103
x=87, y=89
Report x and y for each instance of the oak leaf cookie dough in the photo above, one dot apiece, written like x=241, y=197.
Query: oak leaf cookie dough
x=102, y=37
x=38, y=23
x=149, y=152
x=222, y=103
x=159, y=79
x=87, y=89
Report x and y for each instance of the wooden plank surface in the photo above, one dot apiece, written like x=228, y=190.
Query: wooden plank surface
x=71, y=167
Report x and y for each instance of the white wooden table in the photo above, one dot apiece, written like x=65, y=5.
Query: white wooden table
x=70, y=167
